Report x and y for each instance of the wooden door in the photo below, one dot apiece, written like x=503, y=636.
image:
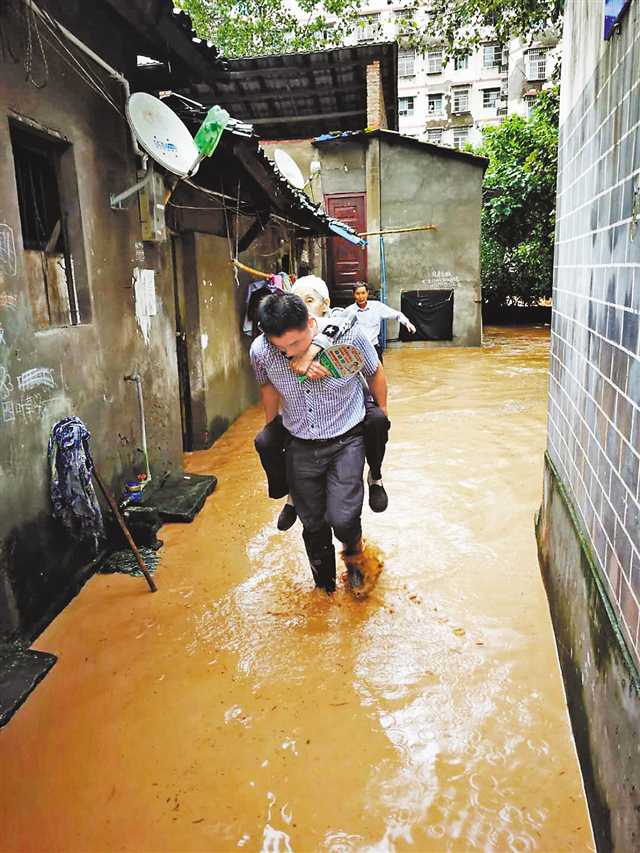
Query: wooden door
x=347, y=263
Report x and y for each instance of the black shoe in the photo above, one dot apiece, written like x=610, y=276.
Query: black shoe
x=287, y=517
x=323, y=569
x=355, y=578
x=378, y=500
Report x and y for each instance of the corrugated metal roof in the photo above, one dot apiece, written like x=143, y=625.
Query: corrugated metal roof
x=298, y=95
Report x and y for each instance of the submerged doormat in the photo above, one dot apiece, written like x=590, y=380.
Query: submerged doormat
x=179, y=497
x=21, y=670
x=125, y=562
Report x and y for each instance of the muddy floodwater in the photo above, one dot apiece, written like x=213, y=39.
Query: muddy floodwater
x=239, y=708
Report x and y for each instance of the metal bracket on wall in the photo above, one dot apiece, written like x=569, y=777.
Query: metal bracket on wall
x=116, y=200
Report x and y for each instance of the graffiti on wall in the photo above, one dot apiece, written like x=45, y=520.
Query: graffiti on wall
x=8, y=258
x=28, y=398
x=441, y=280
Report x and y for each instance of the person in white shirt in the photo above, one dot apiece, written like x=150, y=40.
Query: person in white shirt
x=371, y=313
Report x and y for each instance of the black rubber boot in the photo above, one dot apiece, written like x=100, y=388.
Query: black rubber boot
x=352, y=556
x=322, y=558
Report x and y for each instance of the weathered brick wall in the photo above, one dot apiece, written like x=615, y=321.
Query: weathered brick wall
x=594, y=398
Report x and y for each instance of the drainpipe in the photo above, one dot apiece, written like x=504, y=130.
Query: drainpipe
x=135, y=377
x=95, y=58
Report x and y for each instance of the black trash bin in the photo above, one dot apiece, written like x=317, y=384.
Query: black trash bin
x=431, y=312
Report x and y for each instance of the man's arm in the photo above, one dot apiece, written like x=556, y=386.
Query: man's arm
x=270, y=401
x=388, y=313
x=378, y=386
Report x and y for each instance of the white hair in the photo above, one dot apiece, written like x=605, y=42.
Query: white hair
x=314, y=283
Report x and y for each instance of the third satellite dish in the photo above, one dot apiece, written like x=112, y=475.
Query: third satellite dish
x=289, y=168
x=162, y=134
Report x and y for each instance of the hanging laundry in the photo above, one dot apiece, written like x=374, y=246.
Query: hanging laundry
x=72, y=493
x=255, y=294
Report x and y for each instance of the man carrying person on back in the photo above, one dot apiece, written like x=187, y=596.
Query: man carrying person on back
x=323, y=416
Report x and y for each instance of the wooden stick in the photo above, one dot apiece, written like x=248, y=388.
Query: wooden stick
x=398, y=230
x=125, y=530
x=251, y=270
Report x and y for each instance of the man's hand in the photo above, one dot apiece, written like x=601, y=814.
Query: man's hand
x=411, y=328
x=305, y=364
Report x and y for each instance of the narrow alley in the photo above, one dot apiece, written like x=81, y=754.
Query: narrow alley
x=239, y=707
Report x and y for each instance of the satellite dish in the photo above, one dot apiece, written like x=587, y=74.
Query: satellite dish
x=289, y=168
x=162, y=134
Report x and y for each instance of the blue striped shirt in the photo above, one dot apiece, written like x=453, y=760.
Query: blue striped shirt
x=315, y=408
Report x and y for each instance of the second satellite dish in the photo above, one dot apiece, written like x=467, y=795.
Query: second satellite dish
x=162, y=134
x=289, y=168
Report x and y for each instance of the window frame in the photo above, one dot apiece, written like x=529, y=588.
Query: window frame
x=457, y=130
x=366, y=33
x=438, y=66
x=435, y=112
x=406, y=57
x=539, y=62
x=27, y=137
x=410, y=111
x=438, y=130
x=456, y=92
x=497, y=51
x=496, y=92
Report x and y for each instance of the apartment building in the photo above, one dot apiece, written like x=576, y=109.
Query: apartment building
x=451, y=102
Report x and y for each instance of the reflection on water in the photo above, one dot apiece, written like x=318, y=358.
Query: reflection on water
x=428, y=716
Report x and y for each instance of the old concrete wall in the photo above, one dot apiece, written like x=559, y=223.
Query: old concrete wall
x=84, y=364
x=229, y=384
x=419, y=187
x=601, y=680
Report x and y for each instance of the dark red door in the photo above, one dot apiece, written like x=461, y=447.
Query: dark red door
x=347, y=262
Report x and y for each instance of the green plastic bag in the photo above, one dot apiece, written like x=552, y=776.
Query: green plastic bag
x=210, y=131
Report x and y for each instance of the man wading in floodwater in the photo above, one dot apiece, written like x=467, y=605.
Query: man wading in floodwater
x=323, y=415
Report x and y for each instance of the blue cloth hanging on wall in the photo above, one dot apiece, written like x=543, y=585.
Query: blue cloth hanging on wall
x=72, y=493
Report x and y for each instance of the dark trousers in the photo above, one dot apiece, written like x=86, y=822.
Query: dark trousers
x=380, y=352
x=272, y=442
x=325, y=481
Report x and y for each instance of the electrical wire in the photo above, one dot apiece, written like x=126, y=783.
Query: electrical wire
x=94, y=82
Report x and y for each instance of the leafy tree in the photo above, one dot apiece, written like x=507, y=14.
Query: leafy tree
x=257, y=27
x=518, y=216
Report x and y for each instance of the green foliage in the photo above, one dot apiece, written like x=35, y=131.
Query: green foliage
x=518, y=216
x=258, y=27
x=261, y=27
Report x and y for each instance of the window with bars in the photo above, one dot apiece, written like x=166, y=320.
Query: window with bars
x=434, y=61
x=491, y=55
x=434, y=134
x=461, y=63
x=490, y=98
x=530, y=102
x=369, y=27
x=435, y=104
x=43, y=189
x=406, y=62
x=406, y=105
x=536, y=63
x=460, y=137
x=461, y=100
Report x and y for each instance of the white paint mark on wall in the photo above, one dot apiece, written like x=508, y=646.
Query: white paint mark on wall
x=204, y=340
x=35, y=377
x=8, y=259
x=144, y=287
x=8, y=300
x=441, y=278
x=6, y=385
